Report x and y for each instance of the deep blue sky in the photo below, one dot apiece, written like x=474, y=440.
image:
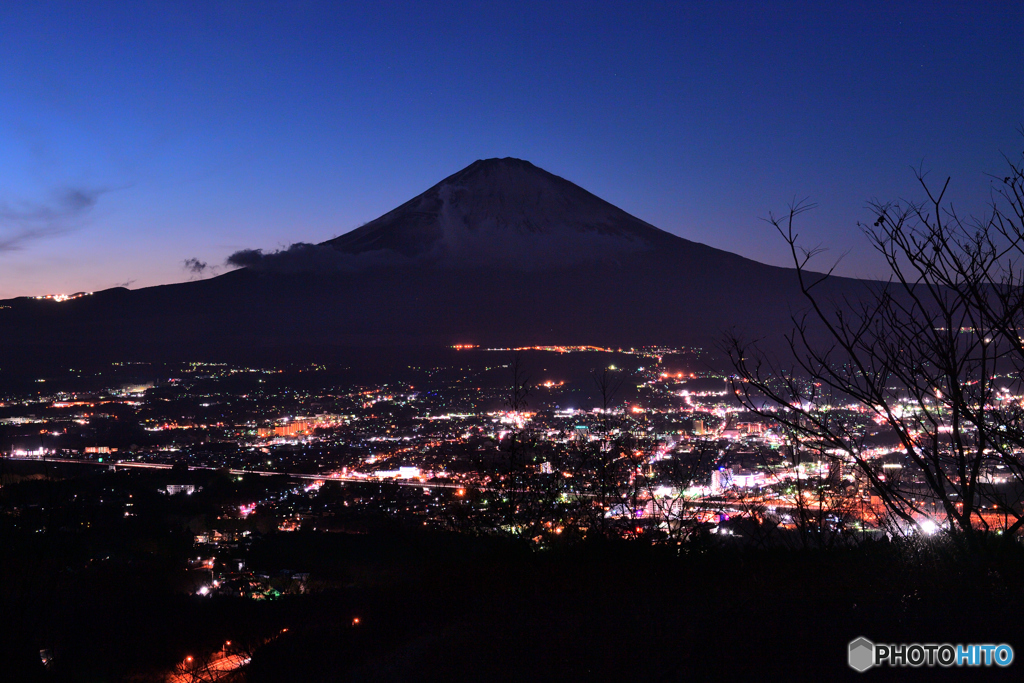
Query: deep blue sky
x=134, y=136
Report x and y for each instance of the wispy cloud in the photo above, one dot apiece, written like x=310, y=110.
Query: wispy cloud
x=25, y=221
x=194, y=266
x=198, y=269
x=302, y=257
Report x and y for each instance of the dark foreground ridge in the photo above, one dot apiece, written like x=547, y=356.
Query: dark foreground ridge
x=402, y=606
x=500, y=253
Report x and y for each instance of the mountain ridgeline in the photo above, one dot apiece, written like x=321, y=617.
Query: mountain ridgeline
x=500, y=253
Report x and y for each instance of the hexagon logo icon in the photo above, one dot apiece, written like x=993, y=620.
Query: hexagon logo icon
x=862, y=654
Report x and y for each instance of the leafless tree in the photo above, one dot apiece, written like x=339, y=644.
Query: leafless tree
x=934, y=354
x=605, y=451
x=682, y=517
x=515, y=484
x=816, y=504
x=226, y=664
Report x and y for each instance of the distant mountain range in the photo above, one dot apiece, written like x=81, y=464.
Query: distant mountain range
x=500, y=253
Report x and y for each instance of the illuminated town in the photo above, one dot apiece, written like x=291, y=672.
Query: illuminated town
x=670, y=455
x=258, y=472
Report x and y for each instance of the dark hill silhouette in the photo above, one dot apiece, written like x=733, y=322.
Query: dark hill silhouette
x=499, y=253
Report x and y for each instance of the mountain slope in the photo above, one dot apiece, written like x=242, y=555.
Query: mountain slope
x=499, y=253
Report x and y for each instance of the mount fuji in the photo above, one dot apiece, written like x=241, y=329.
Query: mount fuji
x=500, y=253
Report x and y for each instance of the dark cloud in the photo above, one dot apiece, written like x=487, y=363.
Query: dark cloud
x=27, y=221
x=194, y=266
x=198, y=269
x=303, y=257
x=245, y=258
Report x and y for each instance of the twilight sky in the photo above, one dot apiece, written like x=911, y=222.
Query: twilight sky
x=135, y=136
